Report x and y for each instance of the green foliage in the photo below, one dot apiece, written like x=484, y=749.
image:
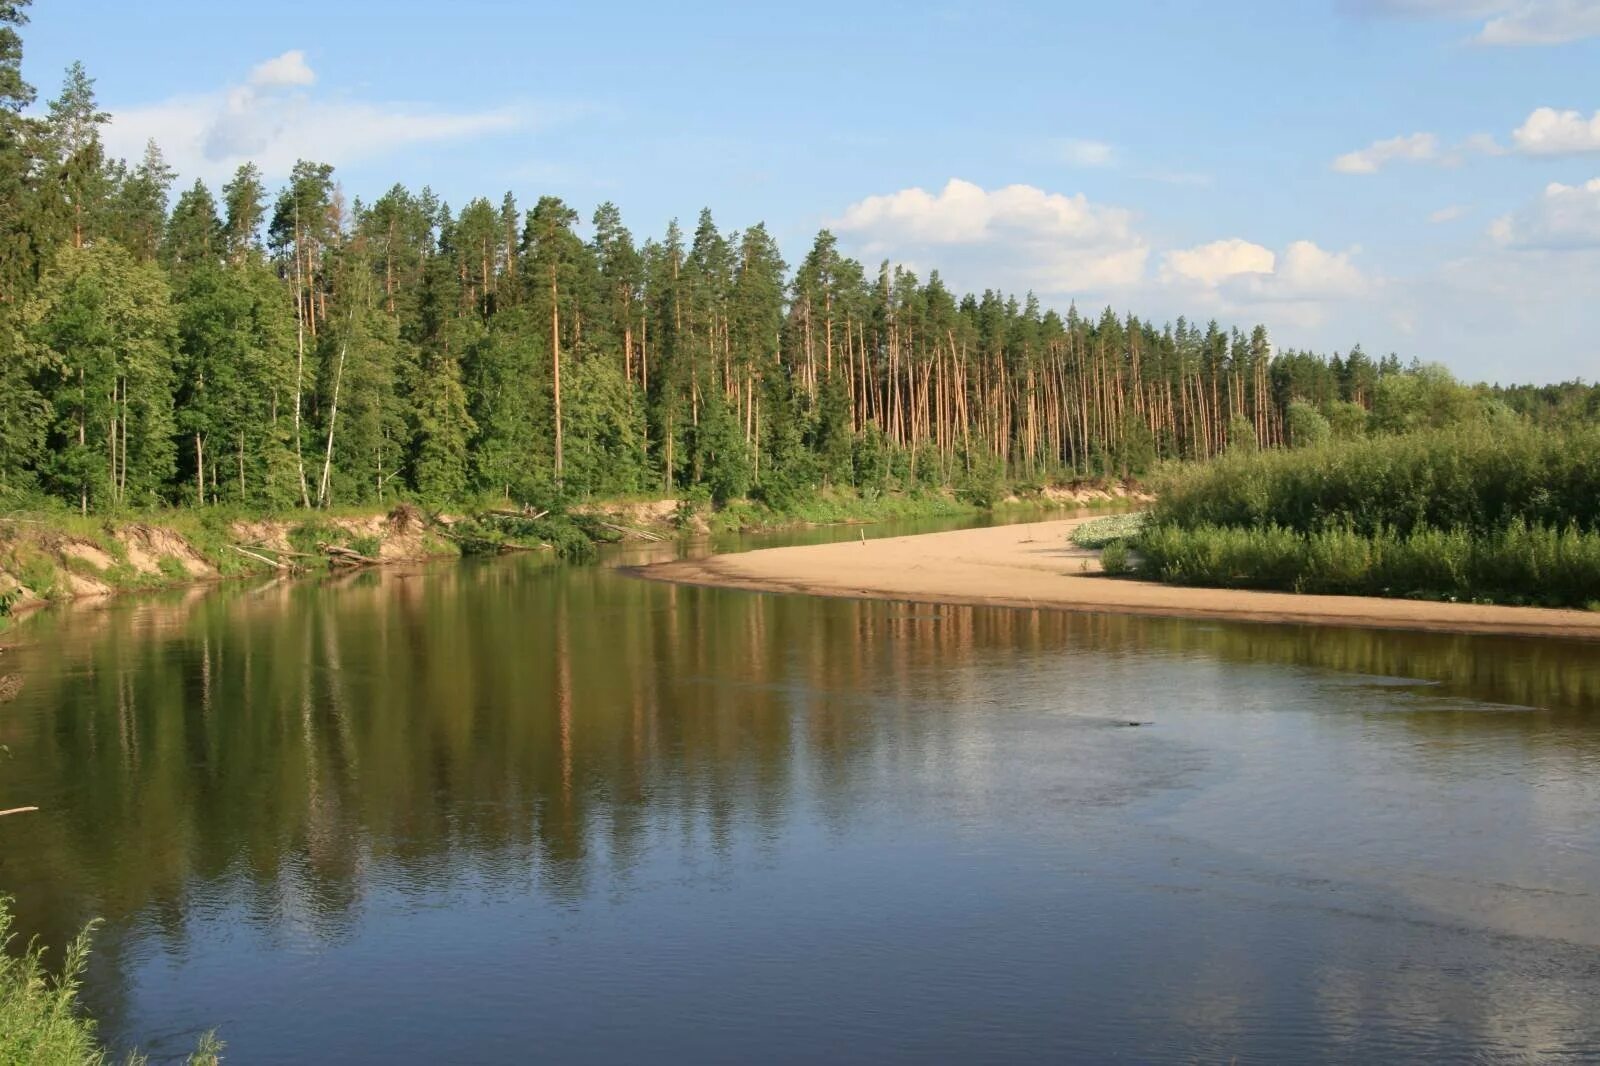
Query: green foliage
x=369, y=544
x=1114, y=558
x=1461, y=478
x=572, y=538
x=102, y=327
x=41, y=1023
x=1242, y=436
x=1307, y=426
x=1511, y=514
x=1347, y=421
x=364, y=353
x=1521, y=564
x=39, y=1017
x=983, y=486
x=1099, y=532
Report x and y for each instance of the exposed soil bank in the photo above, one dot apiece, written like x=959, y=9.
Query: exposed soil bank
x=62, y=557
x=1033, y=565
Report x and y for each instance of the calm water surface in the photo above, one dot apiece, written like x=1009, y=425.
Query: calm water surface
x=498, y=811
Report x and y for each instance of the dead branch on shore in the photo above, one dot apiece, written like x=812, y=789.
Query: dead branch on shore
x=339, y=555
x=643, y=534
x=276, y=564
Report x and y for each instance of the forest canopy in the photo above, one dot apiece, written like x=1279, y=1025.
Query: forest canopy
x=284, y=347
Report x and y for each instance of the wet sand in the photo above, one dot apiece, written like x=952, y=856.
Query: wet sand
x=1034, y=565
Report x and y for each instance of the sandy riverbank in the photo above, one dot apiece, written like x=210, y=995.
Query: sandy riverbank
x=1033, y=565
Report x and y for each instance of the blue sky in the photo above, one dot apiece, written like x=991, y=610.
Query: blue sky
x=1419, y=176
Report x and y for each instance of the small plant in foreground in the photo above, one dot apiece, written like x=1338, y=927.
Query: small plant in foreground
x=41, y=1022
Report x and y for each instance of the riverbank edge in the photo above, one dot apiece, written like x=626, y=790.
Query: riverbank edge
x=935, y=572
x=48, y=557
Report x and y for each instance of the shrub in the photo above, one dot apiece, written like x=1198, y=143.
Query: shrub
x=1114, y=558
x=40, y=1021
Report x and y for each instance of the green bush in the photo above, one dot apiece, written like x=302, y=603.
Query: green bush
x=1114, y=558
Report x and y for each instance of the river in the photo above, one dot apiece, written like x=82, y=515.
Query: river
x=500, y=810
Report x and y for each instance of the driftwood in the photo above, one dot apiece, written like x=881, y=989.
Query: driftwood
x=642, y=533
x=526, y=513
x=282, y=551
x=276, y=564
x=17, y=810
x=342, y=556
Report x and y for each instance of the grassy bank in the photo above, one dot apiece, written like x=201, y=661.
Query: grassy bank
x=52, y=553
x=1505, y=516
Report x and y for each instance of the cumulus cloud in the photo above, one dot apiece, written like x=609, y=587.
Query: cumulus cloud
x=272, y=119
x=1020, y=236
x=1565, y=217
x=1236, y=276
x=288, y=69
x=1087, y=153
x=1415, y=148
x=1546, y=22
x=1211, y=264
x=1447, y=214
x=1551, y=132
x=1504, y=22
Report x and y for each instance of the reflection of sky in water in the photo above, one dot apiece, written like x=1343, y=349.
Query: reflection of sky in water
x=493, y=811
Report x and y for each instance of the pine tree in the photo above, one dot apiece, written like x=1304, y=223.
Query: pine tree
x=194, y=236
x=77, y=158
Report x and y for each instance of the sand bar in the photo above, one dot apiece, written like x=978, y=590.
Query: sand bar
x=1034, y=565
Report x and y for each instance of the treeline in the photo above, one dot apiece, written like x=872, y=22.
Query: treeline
x=291, y=348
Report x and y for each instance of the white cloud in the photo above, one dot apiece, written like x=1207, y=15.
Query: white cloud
x=1311, y=272
x=1019, y=236
x=1545, y=22
x=1505, y=22
x=1551, y=132
x=272, y=120
x=1482, y=144
x=288, y=69
x=1210, y=264
x=1080, y=153
x=1447, y=214
x=1565, y=217
x=1298, y=288
x=1415, y=148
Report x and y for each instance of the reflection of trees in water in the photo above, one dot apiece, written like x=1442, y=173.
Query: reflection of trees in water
x=274, y=748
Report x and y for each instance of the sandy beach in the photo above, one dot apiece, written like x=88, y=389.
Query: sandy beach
x=1034, y=565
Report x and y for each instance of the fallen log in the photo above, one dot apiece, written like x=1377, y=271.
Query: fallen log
x=280, y=551
x=343, y=556
x=276, y=564
x=643, y=533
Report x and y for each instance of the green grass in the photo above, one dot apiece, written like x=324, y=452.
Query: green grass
x=1469, y=478
x=41, y=1023
x=1524, y=565
x=834, y=507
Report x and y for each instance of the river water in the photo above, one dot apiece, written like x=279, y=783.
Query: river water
x=499, y=810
